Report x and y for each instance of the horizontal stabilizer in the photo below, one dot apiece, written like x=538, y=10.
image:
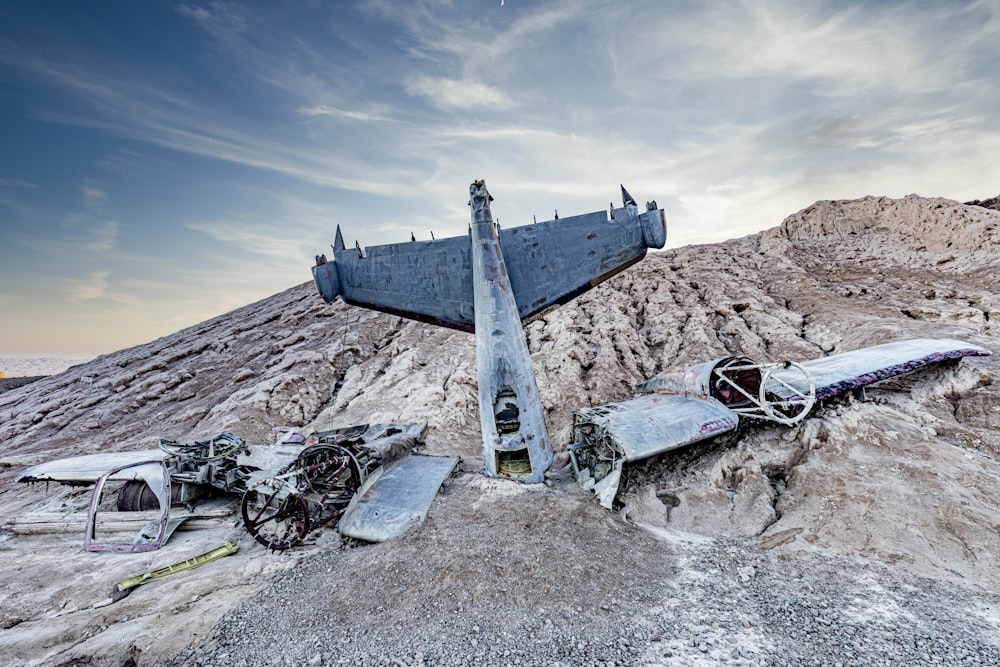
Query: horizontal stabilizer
x=548, y=263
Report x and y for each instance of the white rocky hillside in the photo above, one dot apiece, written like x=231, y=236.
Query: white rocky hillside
x=908, y=477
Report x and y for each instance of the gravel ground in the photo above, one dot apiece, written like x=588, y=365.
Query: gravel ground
x=502, y=574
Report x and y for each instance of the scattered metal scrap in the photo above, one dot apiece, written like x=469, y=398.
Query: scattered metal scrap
x=317, y=487
x=287, y=489
x=126, y=586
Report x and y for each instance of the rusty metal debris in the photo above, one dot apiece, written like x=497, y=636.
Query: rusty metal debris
x=287, y=489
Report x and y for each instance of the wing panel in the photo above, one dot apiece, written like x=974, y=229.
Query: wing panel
x=841, y=373
x=87, y=468
x=651, y=424
x=548, y=264
x=397, y=499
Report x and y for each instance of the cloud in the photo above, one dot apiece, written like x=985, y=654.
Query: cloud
x=221, y=19
x=603, y=93
x=103, y=237
x=457, y=94
x=325, y=110
x=93, y=286
x=271, y=240
x=92, y=197
x=17, y=183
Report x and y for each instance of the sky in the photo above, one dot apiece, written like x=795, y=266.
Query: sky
x=163, y=162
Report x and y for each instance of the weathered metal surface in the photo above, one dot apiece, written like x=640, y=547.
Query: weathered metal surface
x=607, y=436
x=548, y=263
x=315, y=488
x=841, y=373
x=491, y=282
x=125, y=586
x=653, y=423
x=515, y=441
x=396, y=498
x=760, y=391
x=89, y=468
x=155, y=533
x=288, y=489
x=704, y=400
x=430, y=281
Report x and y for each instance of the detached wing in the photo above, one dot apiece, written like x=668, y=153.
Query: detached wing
x=608, y=436
x=841, y=373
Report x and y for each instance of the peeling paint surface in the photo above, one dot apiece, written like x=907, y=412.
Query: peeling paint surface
x=840, y=373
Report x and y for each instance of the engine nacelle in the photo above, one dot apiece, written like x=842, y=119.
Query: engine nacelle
x=742, y=385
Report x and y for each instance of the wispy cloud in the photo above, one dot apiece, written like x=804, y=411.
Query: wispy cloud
x=88, y=288
x=457, y=94
x=93, y=197
x=222, y=19
x=17, y=183
x=264, y=240
x=326, y=110
x=103, y=236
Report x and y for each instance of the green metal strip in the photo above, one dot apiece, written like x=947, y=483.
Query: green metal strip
x=191, y=563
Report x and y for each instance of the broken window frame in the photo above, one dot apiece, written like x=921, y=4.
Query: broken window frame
x=156, y=477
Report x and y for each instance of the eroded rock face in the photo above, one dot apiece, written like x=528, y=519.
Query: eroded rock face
x=992, y=202
x=903, y=476
x=908, y=476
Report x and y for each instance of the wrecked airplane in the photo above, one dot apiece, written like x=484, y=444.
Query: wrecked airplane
x=492, y=282
x=287, y=490
x=681, y=407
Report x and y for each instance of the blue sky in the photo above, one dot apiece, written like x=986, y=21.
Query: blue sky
x=166, y=162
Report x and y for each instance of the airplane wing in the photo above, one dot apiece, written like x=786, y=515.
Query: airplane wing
x=848, y=371
x=607, y=436
x=548, y=263
x=430, y=281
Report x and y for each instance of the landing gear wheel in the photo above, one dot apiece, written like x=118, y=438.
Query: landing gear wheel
x=332, y=477
x=275, y=514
